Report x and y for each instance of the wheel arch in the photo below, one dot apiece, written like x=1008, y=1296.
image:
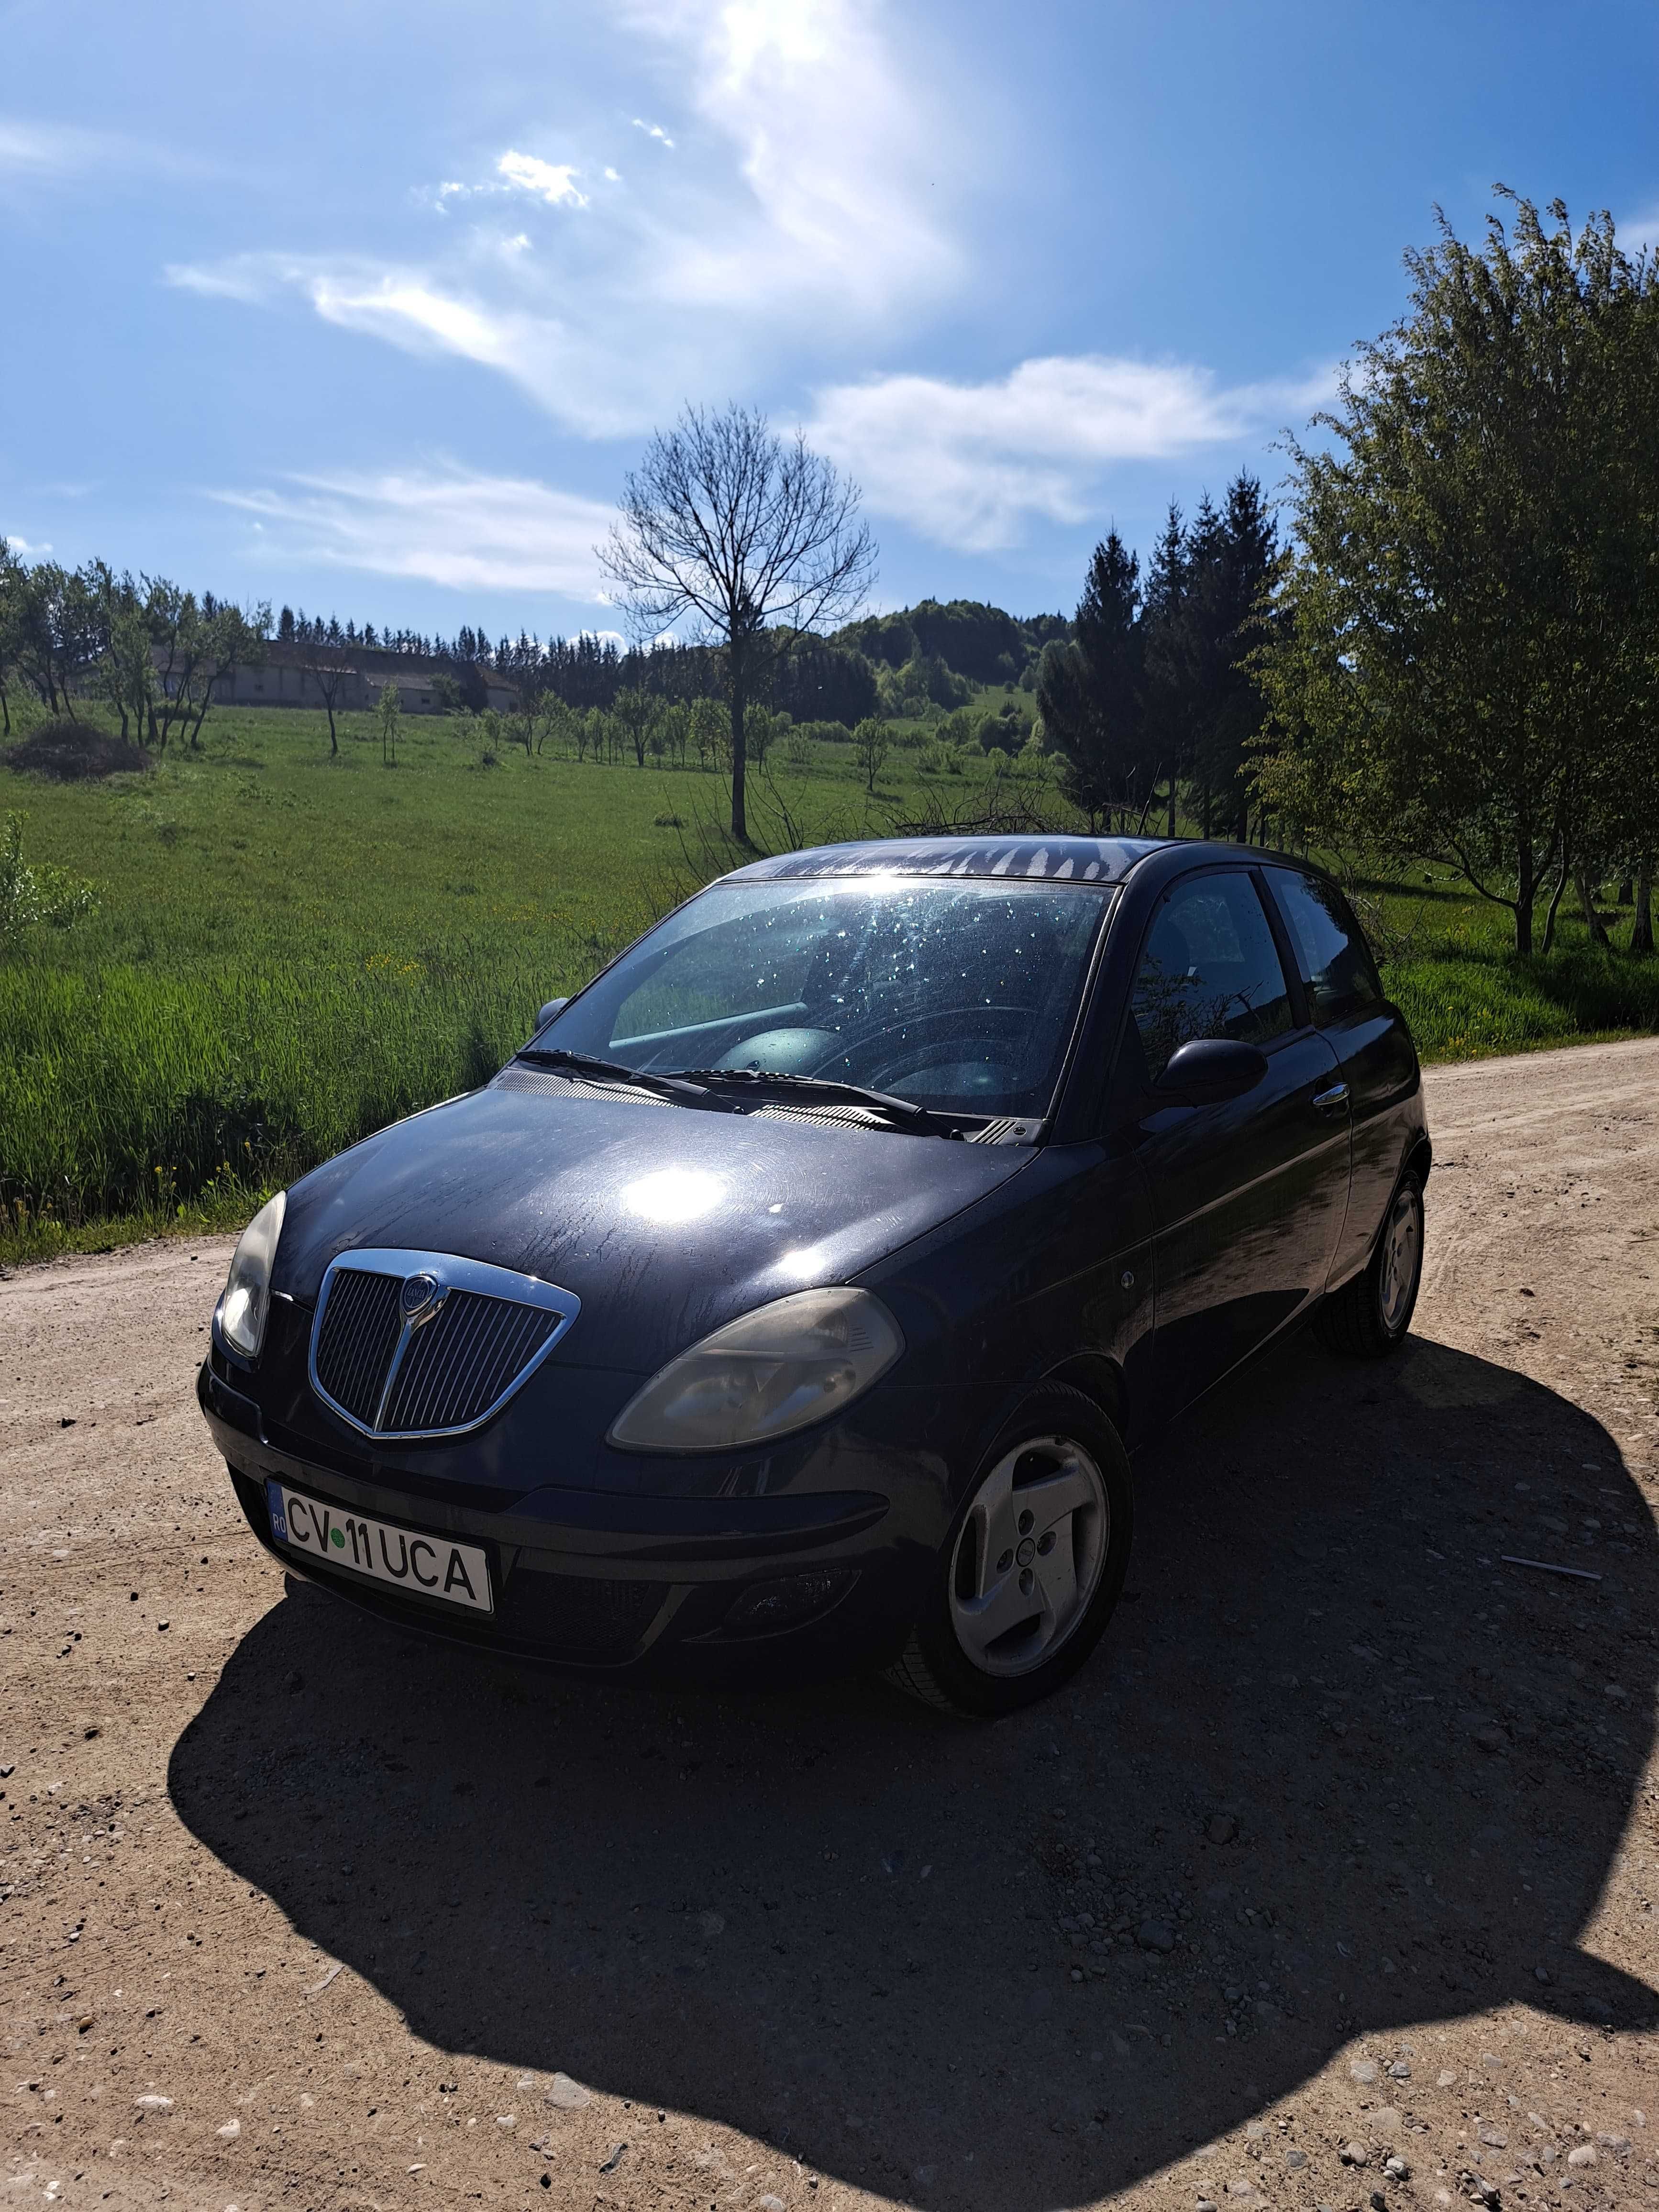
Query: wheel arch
x=1098, y=1378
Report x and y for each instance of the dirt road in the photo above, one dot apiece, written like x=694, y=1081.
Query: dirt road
x=1343, y=1850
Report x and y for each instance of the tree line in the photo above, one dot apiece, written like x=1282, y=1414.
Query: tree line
x=154, y=651
x=806, y=676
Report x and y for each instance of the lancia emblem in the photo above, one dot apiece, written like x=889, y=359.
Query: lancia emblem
x=419, y=1296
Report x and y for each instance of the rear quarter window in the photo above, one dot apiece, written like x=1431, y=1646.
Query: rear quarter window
x=1331, y=950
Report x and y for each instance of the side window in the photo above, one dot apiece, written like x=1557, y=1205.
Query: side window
x=1209, y=970
x=1336, y=960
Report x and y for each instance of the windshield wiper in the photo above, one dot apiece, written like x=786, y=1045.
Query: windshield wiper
x=612, y=1070
x=903, y=1112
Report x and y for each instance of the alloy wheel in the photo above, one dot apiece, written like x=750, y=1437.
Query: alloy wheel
x=1028, y=1559
x=1402, y=1258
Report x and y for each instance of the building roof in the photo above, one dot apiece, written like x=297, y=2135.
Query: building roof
x=1043, y=860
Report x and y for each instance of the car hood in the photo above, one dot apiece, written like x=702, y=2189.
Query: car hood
x=666, y=1221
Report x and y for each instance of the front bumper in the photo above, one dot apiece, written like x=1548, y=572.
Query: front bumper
x=696, y=1586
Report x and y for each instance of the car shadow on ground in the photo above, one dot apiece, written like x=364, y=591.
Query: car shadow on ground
x=1335, y=1770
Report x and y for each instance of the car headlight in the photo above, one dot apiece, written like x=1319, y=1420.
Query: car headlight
x=239, y=1316
x=795, y=1361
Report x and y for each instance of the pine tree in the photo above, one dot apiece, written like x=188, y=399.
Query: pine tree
x=1198, y=630
x=1250, y=555
x=1088, y=692
x=1167, y=703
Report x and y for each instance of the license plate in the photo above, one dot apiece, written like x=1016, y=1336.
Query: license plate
x=401, y=1558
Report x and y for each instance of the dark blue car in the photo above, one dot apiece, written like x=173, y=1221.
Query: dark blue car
x=803, y=1287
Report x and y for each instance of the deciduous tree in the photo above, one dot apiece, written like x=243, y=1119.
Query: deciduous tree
x=196, y=644
x=741, y=530
x=57, y=634
x=1465, y=663
x=388, y=712
x=871, y=745
x=14, y=583
x=126, y=672
x=327, y=664
x=637, y=712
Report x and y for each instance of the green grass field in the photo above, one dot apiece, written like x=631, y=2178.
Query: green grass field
x=290, y=952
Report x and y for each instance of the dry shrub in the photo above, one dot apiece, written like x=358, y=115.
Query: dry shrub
x=65, y=752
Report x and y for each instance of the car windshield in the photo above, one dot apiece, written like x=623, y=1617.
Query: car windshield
x=959, y=996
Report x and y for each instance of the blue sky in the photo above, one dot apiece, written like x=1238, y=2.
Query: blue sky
x=368, y=307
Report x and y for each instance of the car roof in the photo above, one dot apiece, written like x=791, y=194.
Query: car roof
x=1037, y=859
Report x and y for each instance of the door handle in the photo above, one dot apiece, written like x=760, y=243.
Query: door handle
x=1336, y=1095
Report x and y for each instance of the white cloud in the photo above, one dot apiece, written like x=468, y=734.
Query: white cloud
x=554, y=182
x=253, y=279
x=400, y=305
x=971, y=464
x=50, y=148
x=68, y=153
x=803, y=204
x=653, y=130
x=575, y=369
x=445, y=526
x=839, y=154
x=37, y=552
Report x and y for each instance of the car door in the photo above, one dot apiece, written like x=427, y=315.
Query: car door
x=1247, y=1195
x=1375, y=1055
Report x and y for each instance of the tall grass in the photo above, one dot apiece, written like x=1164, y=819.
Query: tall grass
x=1462, y=1004
x=126, y=1089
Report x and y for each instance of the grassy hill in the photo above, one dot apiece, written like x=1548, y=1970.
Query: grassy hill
x=287, y=952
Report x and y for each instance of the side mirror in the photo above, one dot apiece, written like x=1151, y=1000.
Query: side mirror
x=553, y=1007
x=1207, y=1070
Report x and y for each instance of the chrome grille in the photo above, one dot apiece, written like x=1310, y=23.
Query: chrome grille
x=425, y=1344
x=463, y=1359
x=355, y=1350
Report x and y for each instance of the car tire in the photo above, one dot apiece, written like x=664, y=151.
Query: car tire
x=1034, y=1566
x=1368, y=1318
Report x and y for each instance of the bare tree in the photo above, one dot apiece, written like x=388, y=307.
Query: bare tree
x=743, y=530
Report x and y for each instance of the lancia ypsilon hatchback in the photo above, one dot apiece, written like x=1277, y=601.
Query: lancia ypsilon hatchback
x=802, y=1287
